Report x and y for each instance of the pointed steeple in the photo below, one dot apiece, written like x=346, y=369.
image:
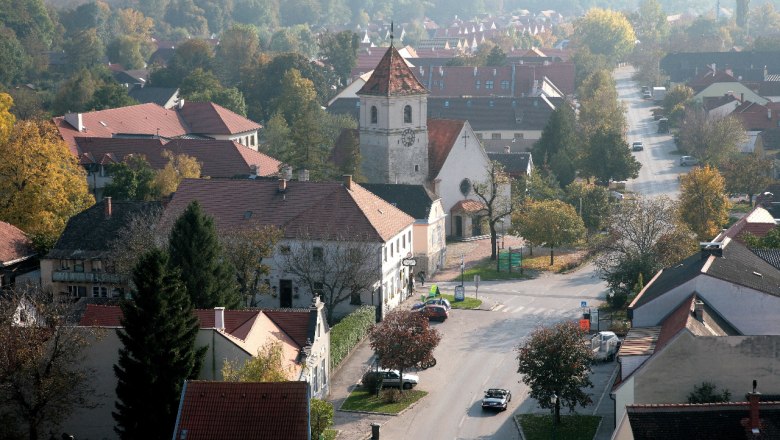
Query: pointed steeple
x=392, y=77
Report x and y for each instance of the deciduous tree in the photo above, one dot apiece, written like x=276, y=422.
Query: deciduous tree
x=339, y=268
x=7, y=119
x=710, y=138
x=555, y=361
x=42, y=377
x=268, y=365
x=209, y=279
x=179, y=166
x=340, y=51
x=553, y=222
x=403, y=340
x=591, y=202
x=605, y=32
x=704, y=206
x=132, y=179
x=42, y=184
x=158, y=352
x=600, y=109
x=246, y=249
x=495, y=193
x=746, y=174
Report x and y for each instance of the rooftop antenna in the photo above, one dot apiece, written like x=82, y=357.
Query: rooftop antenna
x=391, y=33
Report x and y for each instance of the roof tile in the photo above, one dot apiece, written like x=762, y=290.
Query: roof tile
x=392, y=77
x=14, y=244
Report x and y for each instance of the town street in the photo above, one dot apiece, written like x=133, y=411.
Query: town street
x=477, y=350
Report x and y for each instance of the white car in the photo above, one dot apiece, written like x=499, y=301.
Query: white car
x=391, y=378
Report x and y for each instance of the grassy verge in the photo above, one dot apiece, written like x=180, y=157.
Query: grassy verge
x=361, y=400
x=467, y=303
x=487, y=272
x=572, y=427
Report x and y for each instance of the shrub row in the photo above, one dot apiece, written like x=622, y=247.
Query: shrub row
x=348, y=333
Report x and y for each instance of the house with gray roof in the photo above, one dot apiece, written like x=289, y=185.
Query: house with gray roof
x=517, y=165
x=430, y=247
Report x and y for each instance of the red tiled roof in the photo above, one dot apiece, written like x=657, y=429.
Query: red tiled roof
x=758, y=117
x=294, y=323
x=210, y=118
x=14, y=245
x=442, y=134
x=392, y=77
x=143, y=119
x=243, y=410
x=708, y=77
x=675, y=322
x=217, y=158
x=320, y=210
x=468, y=205
x=758, y=222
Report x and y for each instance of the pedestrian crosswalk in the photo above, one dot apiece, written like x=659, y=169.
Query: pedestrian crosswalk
x=537, y=311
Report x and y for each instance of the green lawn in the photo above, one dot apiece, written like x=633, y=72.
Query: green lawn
x=467, y=303
x=361, y=400
x=572, y=427
x=487, y=271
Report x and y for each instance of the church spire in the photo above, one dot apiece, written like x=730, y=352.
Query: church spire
x=392, y=77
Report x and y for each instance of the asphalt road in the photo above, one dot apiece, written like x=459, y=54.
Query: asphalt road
x=660, y=163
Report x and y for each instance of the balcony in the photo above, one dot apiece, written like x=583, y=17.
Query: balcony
x=85, y=277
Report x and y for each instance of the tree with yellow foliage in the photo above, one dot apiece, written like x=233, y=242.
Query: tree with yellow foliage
x=179, y=166
x=605, y=32
x=269, y=365
x=704, y=206
x=7, y=119
x=41, y=183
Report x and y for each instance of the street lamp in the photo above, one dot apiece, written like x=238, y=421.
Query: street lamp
x=554, y=401
x=462, y=266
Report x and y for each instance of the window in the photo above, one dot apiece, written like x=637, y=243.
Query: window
x=518, y=135
x=78, y=266
x=284, y=250
x=391, y=250
x=64, y=264
x=324, y=376
x=504, y=85
x=492, y=103
x=441, y=85
x=446, y=104
x=319, y=289
x=354, y=299
x=408, y=114
x=479, y=136
x=374, y=116
x=99, y=292
x=403, y=242
x=489, y=84
x=495, y=136
x=77, y=291
x=316, y=378
x=317, y=253
x=385, y=254
x=416, y=168
x=97, y=266
x=477, y=84
x=410, y=237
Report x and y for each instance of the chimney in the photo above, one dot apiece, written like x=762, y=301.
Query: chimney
x=252, y=171
x=437, y=186
x=76, y=120
x=219, y=318
x=303, y=175
x=711, y=248
x=348, y=181
x=698, y=310
x=507, y=149
x=769, y=114
x=741, y=98
x=282, y=185
x=180, y=104
x=475, y=71
x=107, y=201
x=287, y=172
x=755, y=420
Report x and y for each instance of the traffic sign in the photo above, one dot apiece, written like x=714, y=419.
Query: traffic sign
x=409, y=262
x=583, y=304
x=460, y=293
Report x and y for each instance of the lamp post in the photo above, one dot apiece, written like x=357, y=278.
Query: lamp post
x=554, y=401
x=462, y=266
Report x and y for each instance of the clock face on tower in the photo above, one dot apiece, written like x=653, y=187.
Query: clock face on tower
x=407, y=137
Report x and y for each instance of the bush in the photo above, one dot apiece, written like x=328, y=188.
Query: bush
x=321, y=417
x=348, y=333
x=392, y=395
x=372, y=382
x=707, y=393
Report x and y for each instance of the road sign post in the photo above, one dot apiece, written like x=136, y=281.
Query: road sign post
x=477, y=279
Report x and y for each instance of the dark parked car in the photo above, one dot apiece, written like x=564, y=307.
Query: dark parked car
x=496, y=399
x=435, y=312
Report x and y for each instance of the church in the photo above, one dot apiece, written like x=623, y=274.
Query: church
x=400, y=144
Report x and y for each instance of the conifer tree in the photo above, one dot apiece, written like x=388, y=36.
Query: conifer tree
x=194, y=247
x=158, y=352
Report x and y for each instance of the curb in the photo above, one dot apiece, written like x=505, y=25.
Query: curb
x=519, y=428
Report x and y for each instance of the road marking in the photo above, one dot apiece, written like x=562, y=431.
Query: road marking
x=499, y=307
x=462, y=419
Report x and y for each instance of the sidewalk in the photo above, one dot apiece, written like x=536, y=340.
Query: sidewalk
x=472, y=252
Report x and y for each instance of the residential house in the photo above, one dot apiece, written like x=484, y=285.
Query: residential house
x=735, y=89
x=429, y=246
x=229, y=335
x=751, y=66
x=165, y=97
x=18, y=259
x=79, y=265
x=517, y=165
x=319, y=213
x=218, y=158
x=243, y=410
x=204, y=120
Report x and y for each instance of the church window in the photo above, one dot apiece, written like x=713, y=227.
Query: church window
x=374, y=116
x=489, y=84
x=408, y=114
x=417, y=168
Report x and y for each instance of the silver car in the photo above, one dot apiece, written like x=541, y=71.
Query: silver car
x=391, y=378
x=687, y=161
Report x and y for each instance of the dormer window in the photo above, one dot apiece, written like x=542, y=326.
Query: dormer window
x=374, y=115
x=408, y=114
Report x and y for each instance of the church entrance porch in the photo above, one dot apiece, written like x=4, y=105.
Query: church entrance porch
x=466, y=217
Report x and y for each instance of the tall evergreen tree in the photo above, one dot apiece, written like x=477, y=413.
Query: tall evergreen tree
x=158, y=351
x=557, y=147
x=194, y=247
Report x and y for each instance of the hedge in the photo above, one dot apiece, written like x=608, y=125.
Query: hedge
x=348, y=333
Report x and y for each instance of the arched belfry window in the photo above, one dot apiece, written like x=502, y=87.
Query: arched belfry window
x=374, y=116
x=408, y=114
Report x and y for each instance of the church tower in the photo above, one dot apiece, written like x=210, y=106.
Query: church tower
x=393, y=124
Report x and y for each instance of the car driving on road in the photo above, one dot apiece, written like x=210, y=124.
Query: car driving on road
x=496, y=399
x=637, y=146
